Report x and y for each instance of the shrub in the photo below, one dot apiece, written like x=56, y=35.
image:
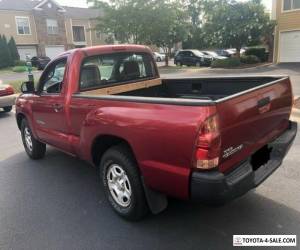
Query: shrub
x=20, y=63
x=259, y=52
x=13, y=49
x=251, y=59
x=231, y=62
x=5, y=53
x=19, y=69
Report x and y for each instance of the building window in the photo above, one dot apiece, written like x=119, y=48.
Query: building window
x=23, y=26
x=78, y=34
x=98, y=35
x=52, y=27
x=291, y=5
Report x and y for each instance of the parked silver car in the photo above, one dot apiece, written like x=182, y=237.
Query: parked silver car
x=7, y=97
x=214, y=55
x=159, y=57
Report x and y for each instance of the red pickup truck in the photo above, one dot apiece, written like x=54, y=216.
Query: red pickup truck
x=204, y=139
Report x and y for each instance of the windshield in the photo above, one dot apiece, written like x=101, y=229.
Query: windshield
x=211, y=53
x=198, y=53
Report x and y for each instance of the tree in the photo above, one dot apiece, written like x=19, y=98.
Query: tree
x=153, y=22
x=236, y=24
x=125, y=20
x=2, y=53
x=5, y=56
x=170, y=26
x=13, y=49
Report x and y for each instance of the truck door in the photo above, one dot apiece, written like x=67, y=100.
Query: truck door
x=48, y=107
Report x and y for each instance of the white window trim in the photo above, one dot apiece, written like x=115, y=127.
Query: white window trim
x=80, y=42
x=24, y=17
x=286, y=11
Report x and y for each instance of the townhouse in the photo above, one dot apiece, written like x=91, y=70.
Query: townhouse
x=287, y=31
x=45, y=28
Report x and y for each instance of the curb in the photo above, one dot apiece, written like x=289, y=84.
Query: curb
x=296, y=112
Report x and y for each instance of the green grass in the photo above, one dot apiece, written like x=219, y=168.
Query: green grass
x=6, y=70
x=19, y=69
x=16, y=84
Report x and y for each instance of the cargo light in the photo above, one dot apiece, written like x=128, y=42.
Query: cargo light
x=208, y=144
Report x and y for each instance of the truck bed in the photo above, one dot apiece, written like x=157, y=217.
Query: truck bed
x=244, y=106
x=210, y=89
x=188, y=91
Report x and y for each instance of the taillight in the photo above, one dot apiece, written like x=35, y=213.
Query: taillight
x=6, y=91
x=9, y=90
x=208, y=144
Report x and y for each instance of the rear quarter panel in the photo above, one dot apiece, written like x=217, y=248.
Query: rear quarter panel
x=162, y=137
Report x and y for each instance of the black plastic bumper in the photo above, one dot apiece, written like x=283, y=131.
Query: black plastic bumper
x=216, y=187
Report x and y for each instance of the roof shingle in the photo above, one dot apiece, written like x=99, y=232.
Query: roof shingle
x=28, y=5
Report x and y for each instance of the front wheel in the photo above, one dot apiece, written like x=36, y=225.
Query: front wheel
x=7, y=109
x=179, y=64
x=158, y=59
x=34, y=148
x=198, y=64
x=122, y=183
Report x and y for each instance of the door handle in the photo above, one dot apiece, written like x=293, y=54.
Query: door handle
x=263, y=102
x=57, y=107
x=264, y=105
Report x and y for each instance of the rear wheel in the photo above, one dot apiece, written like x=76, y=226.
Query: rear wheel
x=122, y=183
x=7, y=109
x=34, y=148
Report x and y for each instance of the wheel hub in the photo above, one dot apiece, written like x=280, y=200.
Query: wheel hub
x=119, y=185
x=28, y=140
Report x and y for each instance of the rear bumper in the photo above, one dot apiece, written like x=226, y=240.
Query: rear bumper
x=8, y=100
x=217, y=187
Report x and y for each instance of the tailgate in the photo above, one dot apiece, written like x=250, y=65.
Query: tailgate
x=250, y=120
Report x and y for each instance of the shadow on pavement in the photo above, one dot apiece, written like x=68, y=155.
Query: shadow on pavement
x=58, y=203
x=4, y=114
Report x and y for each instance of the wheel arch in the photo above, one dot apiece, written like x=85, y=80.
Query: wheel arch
x=103, y=142
x=20, y=117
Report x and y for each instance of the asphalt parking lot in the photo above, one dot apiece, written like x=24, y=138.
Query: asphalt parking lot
x=58, y=203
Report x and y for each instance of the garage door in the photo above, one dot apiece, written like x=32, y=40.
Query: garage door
x=54, y=51
x=24, y=51
x=289, y=46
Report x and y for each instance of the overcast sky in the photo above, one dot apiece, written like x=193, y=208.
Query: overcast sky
x=82, y=3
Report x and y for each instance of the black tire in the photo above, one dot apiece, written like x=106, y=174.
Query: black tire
x=7, y=109
x=38, y=149
x=158, y=59
x=121, y=156
x=179, y=64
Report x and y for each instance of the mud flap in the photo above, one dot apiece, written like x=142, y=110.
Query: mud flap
x=157, y=202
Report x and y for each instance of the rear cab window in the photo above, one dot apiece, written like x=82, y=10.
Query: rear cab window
x=116, y=68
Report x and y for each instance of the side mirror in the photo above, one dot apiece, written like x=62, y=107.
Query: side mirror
x=27, y=87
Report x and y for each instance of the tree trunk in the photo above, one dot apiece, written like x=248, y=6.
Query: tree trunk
x=238, y=53
x=167, y=57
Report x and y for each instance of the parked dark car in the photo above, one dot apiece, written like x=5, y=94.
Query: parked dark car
x=192, y=58
x=40, y=62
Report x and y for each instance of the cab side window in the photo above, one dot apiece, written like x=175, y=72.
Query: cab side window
x=105, y=70
x=52, y=79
